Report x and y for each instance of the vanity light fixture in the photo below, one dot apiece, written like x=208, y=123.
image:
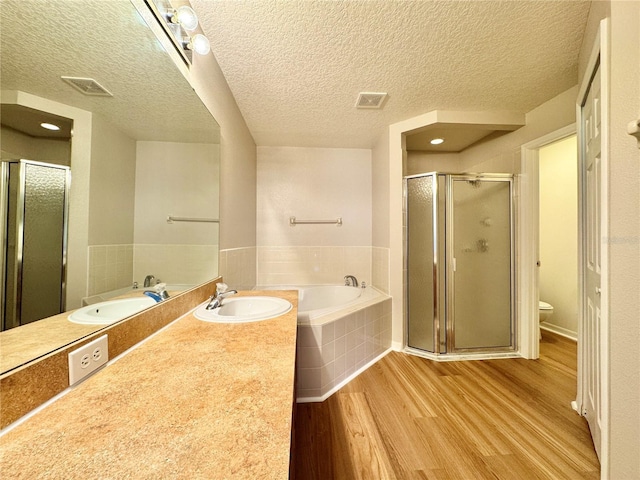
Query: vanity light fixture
x=180, y=24
x=50, y=126
x=199, y=44
x=437, y=141
x=186, y=17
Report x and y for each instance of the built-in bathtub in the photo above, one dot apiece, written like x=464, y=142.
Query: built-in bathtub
x=103, y=297
x=341, y=332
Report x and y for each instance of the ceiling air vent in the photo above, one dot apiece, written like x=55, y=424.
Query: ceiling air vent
x=370, y=99
x=88, y=86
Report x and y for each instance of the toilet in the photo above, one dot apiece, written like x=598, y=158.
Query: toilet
x=545, y=310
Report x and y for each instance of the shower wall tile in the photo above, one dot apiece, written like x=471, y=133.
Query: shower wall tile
x=284, y=265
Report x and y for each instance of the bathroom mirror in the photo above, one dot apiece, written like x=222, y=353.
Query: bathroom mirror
x=147, y=150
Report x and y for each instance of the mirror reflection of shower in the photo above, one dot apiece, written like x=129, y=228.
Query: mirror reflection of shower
x=34, y=197
x=35, y=201
x=459, y=263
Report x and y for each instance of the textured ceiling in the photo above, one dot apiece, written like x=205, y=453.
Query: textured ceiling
x=296, y=67
x=42, y=40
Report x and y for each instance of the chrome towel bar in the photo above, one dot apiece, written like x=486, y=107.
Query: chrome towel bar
x=171, y=219
x=293, y=222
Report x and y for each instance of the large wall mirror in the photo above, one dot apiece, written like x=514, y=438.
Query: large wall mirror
x=85, y=209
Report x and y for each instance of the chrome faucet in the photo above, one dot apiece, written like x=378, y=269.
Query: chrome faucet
x=216, y=299
x=147, y=280
x=350, y=281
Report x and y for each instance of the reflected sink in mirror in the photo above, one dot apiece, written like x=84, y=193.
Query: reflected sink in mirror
x=106, y=313
x=244, y=309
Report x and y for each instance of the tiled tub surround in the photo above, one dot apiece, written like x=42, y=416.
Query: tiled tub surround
x=113, y=267
x=289, y=265
x=238, y=267
x=175, y=263
x=336, y=346
x=24, y=388
x=110, y=267
x=197, y=400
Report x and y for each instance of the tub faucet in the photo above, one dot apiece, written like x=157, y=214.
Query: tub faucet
x=350, y=281
x=216, y=299
x=147, y=280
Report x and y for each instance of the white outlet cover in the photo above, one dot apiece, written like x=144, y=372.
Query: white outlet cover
x=87, y=359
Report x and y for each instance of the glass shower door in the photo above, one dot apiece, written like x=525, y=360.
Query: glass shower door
x=36, y=244
x=420, y=261
x=481, y=264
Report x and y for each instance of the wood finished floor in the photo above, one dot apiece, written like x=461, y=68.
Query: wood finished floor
x=411, y=418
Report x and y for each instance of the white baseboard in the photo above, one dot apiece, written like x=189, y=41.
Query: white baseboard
x=564, y=332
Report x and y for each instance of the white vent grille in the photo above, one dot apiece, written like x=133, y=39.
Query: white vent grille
x=88, y=86
x=370, y=99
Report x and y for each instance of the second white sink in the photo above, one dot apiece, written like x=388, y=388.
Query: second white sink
x=244, y=309
x=105, y=313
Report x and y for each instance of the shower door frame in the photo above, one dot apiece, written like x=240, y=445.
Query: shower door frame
x=439, y=258
x=443, y=308
x=17, y=273
x=450, y=268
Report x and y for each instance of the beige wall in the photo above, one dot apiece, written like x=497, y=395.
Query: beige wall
x=237, y=154
x=558, y=273
x=624, y=242
x=237, y=174
x=112, y=185
x=425, y=162
x=502, y=155
x=380, y=191
x=380, y=239
x=179, y=179
x=17, y=145
x=313, y=184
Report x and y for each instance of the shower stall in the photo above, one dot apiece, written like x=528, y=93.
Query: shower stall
x=459, y=264
x=34, y=200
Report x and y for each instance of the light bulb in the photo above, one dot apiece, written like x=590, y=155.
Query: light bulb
x=200, y=44
x=50, y=126
x=187, y=18
x=437, y=141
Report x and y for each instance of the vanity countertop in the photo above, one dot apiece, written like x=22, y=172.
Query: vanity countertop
x=197, y=400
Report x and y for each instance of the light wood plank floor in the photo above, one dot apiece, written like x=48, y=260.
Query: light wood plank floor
x=411, y=418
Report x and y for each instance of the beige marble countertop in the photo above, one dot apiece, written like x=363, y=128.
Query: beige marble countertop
x=197, y=400
x=22, y=344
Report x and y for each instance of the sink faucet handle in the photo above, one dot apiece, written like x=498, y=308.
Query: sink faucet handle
x=215, y=300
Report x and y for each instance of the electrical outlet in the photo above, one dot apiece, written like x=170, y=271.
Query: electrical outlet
x=87, y=359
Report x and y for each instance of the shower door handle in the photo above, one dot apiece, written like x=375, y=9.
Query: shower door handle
x=454, y=263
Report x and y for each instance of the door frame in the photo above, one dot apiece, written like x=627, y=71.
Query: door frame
x=599, y=58
x=528, y=234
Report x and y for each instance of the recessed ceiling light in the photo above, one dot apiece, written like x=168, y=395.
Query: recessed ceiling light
x=50, y=126
x=437, y=141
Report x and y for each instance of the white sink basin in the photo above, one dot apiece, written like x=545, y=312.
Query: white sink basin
x=244, y=309
x=105, y=313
